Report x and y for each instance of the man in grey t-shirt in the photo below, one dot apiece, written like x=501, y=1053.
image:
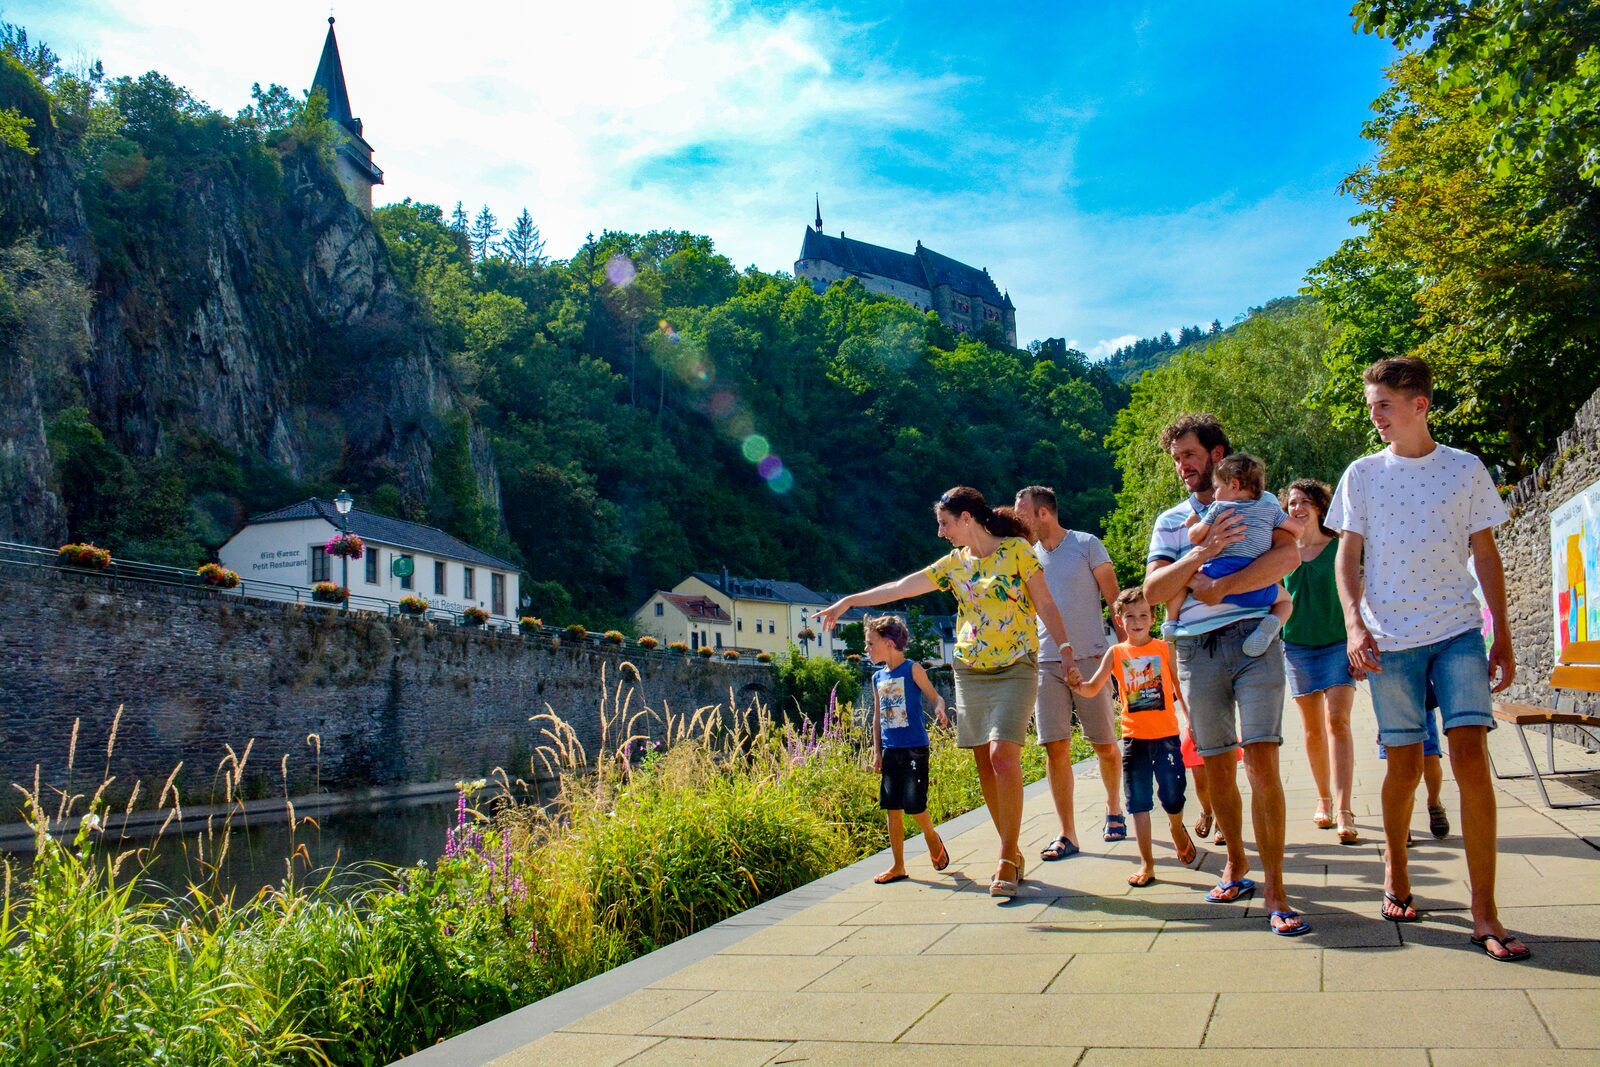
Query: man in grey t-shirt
x=1080, y=575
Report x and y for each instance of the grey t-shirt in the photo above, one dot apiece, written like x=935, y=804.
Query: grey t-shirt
x=1069, y=572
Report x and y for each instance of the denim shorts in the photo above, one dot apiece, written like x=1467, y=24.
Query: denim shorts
x=1152, y=766
x=1314, y=668
x=1217, y=676
x=1430, y=744
x=904, y=786
x=1457, y=668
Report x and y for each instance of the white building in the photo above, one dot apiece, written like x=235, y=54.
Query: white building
x=285, y=547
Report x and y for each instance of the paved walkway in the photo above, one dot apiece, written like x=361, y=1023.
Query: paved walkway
x=1081, y=969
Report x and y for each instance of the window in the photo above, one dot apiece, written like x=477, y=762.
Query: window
x=739, y=626
x=466, y=583
x=497, y=594
x=438, y=577
x=758, y=626
x=661, y=609
x=372, y=567
x=405, y=580
x=694, y=639
x=719, y=640
x=319, y=564
x=772, y=626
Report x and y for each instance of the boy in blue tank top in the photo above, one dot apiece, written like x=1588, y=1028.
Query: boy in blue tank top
x=900, y=740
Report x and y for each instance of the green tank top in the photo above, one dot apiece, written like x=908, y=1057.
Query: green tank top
x=1318, y=618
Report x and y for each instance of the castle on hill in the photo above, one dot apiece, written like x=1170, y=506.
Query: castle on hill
x=353, y=157
x=965, y=298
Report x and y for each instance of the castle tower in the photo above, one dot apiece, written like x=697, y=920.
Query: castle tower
x=353, y=157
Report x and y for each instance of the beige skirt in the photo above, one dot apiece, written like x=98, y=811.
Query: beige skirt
x=995, y=705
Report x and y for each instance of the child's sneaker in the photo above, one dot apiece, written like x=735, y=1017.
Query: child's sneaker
x=1169, y=631
x=1259, y=641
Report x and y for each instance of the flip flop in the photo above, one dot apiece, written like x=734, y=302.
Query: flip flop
x=1300, y=925
x=1202, y=825
x=1511, y=956
x=1138, y=879
x=886, y=878
x=1240, y=889
x=1116, y=828
x=1402, y=905
x=944, y=857
x=1189, y=856
x=1059, y=849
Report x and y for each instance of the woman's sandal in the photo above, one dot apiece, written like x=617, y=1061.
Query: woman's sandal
x=1400, y=906
x=1512, y=955
x=1059, y=849
x=1004, y=887
x=1116, y=828
x=1348, y=834
x=1322, y=820
x=1202, y=825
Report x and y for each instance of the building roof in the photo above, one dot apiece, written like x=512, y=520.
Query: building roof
x=924, y=269
x=696, y=607
x=779, y=592
x=387, y=531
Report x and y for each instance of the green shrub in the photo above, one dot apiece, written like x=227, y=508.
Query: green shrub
x=807, y=684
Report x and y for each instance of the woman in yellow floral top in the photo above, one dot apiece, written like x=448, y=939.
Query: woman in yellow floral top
x=1000, y=592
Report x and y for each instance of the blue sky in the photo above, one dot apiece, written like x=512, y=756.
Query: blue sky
x=1122, y=168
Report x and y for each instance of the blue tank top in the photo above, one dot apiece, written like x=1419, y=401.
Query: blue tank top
x=900, y=707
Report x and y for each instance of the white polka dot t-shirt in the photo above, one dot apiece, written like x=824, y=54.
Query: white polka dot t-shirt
x=1416, y=518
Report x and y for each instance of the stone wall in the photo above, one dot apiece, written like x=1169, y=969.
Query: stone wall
x=1525, y=548
x=391, y=700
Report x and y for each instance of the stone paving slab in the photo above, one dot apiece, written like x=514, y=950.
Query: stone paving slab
x=1083, y=970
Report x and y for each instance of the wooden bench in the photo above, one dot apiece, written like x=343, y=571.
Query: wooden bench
x=1578, y=672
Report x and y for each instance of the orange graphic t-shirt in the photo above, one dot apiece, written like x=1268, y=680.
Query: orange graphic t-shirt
x=1146, y=677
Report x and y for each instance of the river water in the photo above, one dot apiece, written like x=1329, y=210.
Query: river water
x=353, y=840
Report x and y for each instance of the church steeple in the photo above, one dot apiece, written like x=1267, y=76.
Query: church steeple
x=354, y=155
x=819, y=213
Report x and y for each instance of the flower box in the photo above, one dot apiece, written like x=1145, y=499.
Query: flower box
x=329, y=593
x=347, y=546
x=413, y=605
x=577, y=632
x=615, y=637
x=807, y=634
x=529, y=624
x=474, y=617
x=649, y=642
x=87, y=556
x=680, y=647
x=763, y=657
x=730, y=654
x=218, y=575
x=706, y=652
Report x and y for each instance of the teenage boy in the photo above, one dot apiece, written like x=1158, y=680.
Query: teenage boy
x=900, y=689
x=1078, y=570
x=1412, y=514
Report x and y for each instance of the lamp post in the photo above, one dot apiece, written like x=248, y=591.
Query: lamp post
x=344, y=502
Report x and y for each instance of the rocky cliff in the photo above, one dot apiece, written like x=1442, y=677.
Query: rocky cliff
x=236, y=298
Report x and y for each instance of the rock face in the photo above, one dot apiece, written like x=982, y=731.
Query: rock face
x=265, y=319
x=1525, y=549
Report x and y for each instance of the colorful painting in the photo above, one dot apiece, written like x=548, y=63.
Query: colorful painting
x=1575, y=568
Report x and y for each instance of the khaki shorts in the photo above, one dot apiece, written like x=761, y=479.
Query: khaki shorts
x=1057, y=702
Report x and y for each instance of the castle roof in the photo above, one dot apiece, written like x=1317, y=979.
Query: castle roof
x=925, y=269
x=396, y=533
x=859, y=257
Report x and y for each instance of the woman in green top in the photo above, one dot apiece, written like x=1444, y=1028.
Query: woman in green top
x=1313, y=641
x=1000, y=593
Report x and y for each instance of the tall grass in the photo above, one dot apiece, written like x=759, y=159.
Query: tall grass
x=675, y=823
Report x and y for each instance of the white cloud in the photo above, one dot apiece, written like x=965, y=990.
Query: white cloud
x=1102, y=349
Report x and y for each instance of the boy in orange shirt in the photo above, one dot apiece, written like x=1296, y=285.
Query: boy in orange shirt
x=1152, y=760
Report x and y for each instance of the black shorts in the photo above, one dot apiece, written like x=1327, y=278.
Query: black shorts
x=905, y=780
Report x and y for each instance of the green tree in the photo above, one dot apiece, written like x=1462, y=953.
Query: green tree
x=924, y=642
x=1257, y=380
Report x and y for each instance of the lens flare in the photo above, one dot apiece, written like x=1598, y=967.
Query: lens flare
x=770, y=467
x=620, y=271
x=721, y=404
x=782, y=483
x=755, y=448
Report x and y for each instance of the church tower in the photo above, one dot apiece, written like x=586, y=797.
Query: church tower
x=353, y=157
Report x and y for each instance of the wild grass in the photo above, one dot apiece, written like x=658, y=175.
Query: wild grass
x=675, y=822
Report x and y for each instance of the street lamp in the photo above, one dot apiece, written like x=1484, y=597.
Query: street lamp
x=344, y=502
